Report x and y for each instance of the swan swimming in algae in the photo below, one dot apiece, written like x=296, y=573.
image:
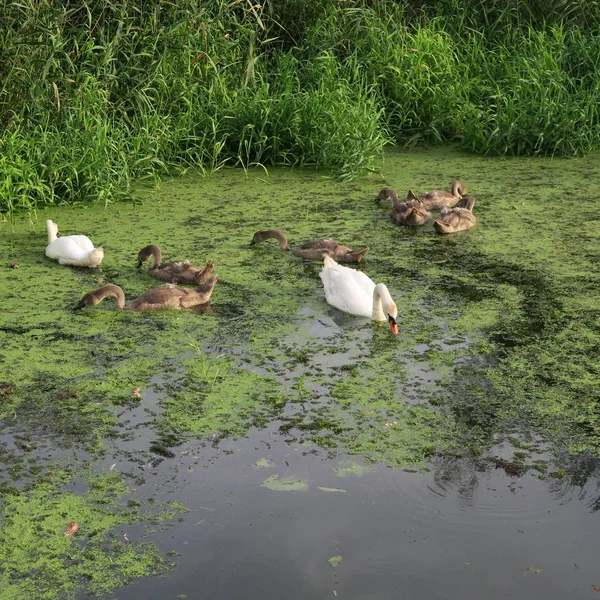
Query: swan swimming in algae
x=353, y=292
x=314, y=249
x=181, y=271
x=168, y=296
x=76, y=250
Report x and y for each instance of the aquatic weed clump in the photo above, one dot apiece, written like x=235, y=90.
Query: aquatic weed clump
x=56, y=544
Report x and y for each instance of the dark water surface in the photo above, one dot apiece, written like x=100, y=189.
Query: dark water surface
x=256, y=443
x=455, y=532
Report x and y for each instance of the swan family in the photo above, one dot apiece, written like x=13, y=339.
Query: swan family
x=346, y=289
x=456, y=209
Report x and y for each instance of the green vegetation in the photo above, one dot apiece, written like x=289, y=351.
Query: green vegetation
x=39, y=560
x=498, y=342
x=491, y=320
x=95, y=95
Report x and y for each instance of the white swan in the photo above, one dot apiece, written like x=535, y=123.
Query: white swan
x=353, y=292
x=75, y=250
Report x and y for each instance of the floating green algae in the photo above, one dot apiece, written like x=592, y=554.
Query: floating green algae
x=512, y=289
x=284, y=484
x=38, y=559
x=350, y=469
x=264, y=463
x=335, y=561
x=499, y=326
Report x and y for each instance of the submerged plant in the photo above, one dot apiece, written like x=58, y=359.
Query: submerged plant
x=204, y=367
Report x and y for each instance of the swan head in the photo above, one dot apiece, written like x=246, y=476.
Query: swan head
x=146, y=252
x=391, y=311
x=384, y=307
x=388, y=194
x=96, y=296
x=266, y=234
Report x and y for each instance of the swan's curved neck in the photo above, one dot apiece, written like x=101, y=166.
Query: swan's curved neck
x=381, y=296
x=109, y=291
x=260, y=236
x=156, y=256
x=146, y=252
x=52, y=229
x=458, y=189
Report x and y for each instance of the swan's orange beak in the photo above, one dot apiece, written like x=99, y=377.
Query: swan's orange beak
x=393, y=325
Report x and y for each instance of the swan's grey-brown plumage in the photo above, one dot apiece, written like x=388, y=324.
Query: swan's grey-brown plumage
x=458, y=218
x=438, y=199
x=168, y=296
x=313, y=250
x=411, y=213
x=387, y=194
x=182, y=271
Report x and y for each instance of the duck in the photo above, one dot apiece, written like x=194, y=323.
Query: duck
x=411, y=213
x=168, y=296
x=76, y=250
x=458, y=218
x=437, y=199
x=351, y=291
x=182, y=271
x=314, y=249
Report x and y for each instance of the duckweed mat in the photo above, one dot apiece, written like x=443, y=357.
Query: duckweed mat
x=498, y=344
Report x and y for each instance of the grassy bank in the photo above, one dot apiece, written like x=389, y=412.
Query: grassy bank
x=93, y=96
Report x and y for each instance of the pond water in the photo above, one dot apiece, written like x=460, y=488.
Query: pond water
x=271, y=445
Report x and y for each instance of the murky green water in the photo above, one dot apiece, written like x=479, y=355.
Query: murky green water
x=494, y=377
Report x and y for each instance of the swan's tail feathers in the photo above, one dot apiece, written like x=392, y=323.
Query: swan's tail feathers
x=91, y=259
x=208, y=285
x=358, y=254
x=442, y=227
x=95, y=256
x=205, y=273
x=328, y=261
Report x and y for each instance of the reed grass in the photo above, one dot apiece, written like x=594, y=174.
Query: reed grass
x=95, y=95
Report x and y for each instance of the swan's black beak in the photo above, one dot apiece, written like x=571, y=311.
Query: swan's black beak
x=139, y=264
x=79, y=305
x=393, y=325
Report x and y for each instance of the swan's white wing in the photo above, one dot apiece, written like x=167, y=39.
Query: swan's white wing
x=65, y=248
x=347, y=289
x=361, y=279
x=82, y=241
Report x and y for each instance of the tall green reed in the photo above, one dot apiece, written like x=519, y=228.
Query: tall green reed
x=95, y=95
